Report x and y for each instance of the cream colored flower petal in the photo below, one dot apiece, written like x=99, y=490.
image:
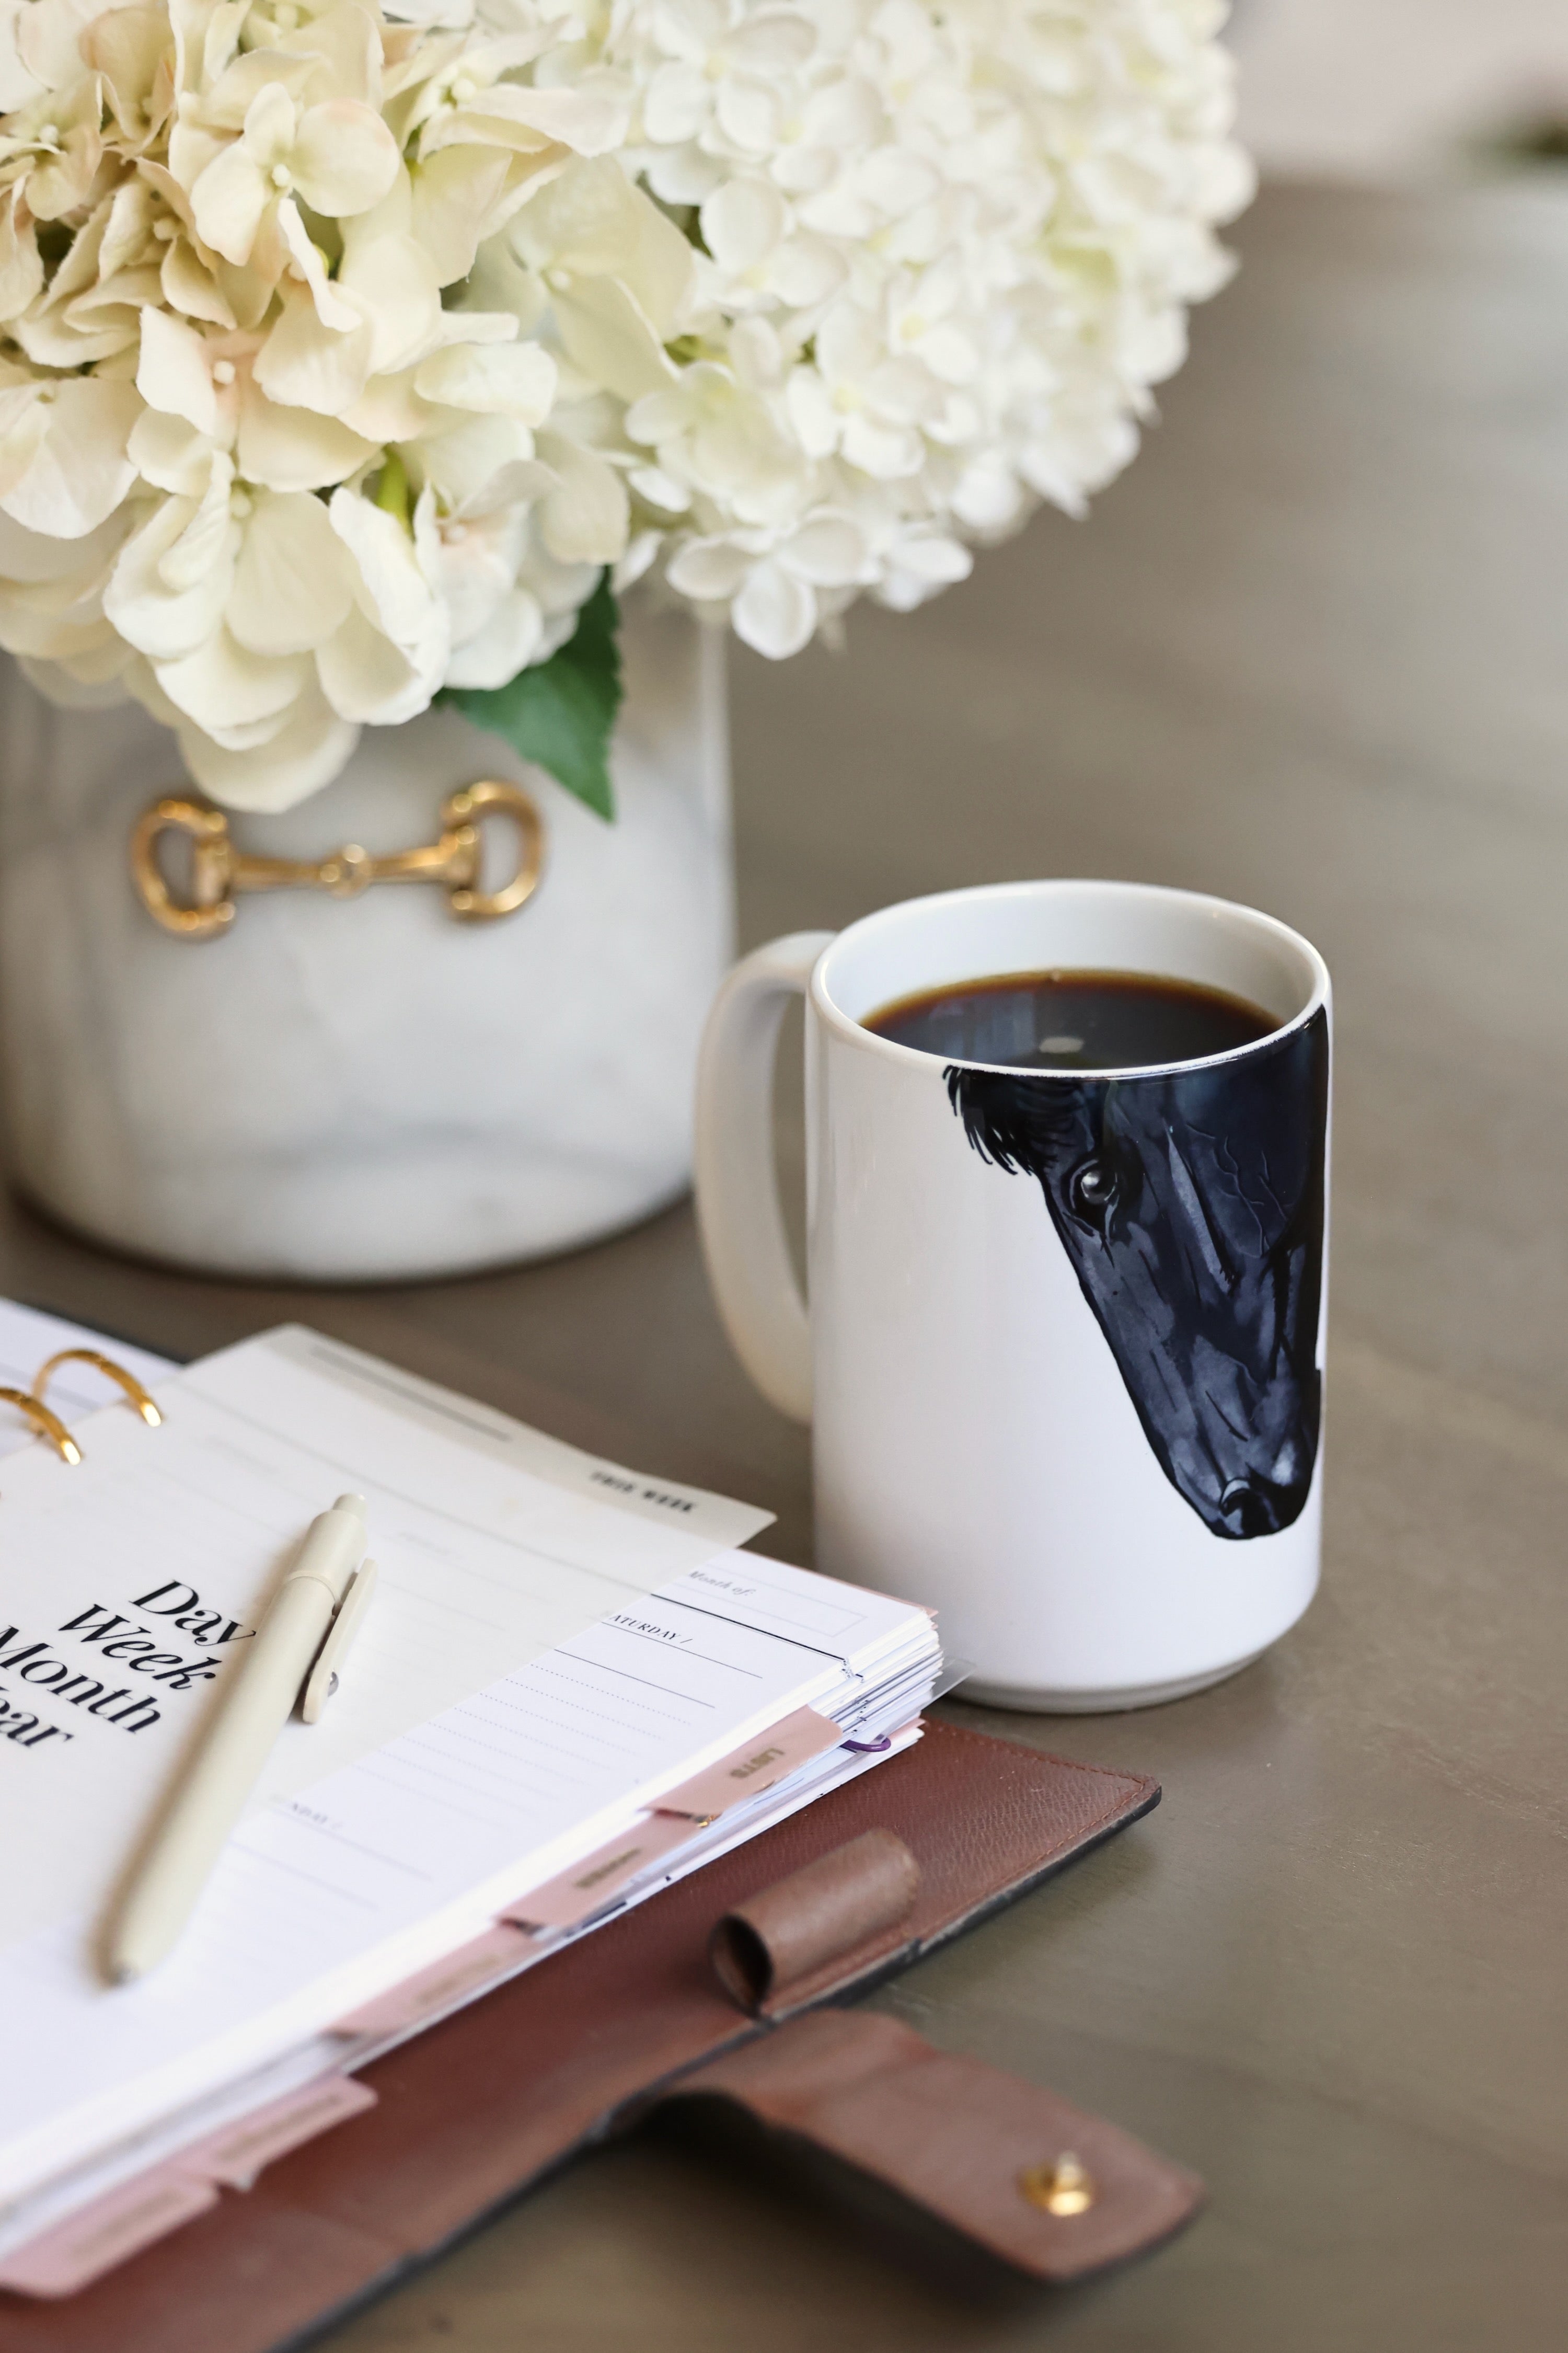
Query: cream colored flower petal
x=829, y=551
x=23, y=421
x=458, y=196
x=249, y=292
x=304, y=364
x=749, y=116
x=309, y=268
x=849, y=344
x=393, y=591
x=297, y=448
x=171, y=453
x=937, y=561
x=503, y=379
x=676, y=105
x=591, y=222
x=506, y=115
x=189, y=286
x=173, y=373
x=344, y=158
x=346, y=38
x=293, y=578
x=228, y=201
x=48, y=42
x=708, y=569
x=389, y=409
x=464, y=452
x=741, y=223
x=392, y=283
x=223, y=684
x=773, y=613
x=642, y=552
x=516, y=483
x=81, y=470
x=18, y=84
x=127, y=46
x=255, y=736
x=203, y=556
x=608, y=337
x=271, y=120
x=366, y=677
x=507, y=642
x=585, y=520
x=885, y=452
x=659, y=489
x=147, y=612
x=473, y=567
x=817, y=422
x=806, y=271
x=227, y=103
x=21, y=265
x=302, y=756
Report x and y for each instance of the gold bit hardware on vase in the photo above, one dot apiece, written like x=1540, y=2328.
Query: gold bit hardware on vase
x=220, y=872
x=1062, y=2188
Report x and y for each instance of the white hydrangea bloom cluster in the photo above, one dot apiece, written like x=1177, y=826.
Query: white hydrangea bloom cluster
x=342, y=347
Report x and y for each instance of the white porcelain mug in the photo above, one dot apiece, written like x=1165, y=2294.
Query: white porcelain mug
x=1063, y=1357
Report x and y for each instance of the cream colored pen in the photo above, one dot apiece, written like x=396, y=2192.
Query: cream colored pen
x=171, y=1875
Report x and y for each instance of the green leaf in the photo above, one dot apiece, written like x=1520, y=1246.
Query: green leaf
x=560, y=714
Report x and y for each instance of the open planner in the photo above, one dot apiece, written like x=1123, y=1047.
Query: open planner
x=570, y=1689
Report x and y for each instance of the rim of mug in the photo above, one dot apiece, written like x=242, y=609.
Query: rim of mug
x=857, y=1033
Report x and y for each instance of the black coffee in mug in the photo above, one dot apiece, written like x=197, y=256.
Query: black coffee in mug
x=1073, y=1020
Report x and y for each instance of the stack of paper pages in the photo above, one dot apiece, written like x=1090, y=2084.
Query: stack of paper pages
x=570, y=1690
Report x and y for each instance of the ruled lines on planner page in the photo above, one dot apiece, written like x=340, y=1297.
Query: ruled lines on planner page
x=326, y=1898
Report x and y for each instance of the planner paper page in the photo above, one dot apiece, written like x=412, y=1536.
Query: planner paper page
x=329, y=1895
x=129, y=1583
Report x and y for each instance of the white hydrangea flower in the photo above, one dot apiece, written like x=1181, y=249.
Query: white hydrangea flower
x=343, y=346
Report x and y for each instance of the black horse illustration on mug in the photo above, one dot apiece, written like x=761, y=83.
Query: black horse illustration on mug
x=1190, y=1206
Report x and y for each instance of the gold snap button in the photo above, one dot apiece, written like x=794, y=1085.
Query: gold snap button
x=1062, y=2188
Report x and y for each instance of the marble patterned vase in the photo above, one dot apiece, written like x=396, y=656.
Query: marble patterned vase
x=353, y=1090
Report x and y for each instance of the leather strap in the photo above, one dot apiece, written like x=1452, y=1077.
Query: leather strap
x=1051, y=2191
x=838, y=1915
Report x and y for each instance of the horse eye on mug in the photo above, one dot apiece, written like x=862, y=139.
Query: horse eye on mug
x=1092, y=1190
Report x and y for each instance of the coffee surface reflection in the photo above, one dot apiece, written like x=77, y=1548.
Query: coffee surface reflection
x=1076, y=1022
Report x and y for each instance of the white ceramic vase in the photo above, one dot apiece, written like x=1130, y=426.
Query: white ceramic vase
x=353, y=1089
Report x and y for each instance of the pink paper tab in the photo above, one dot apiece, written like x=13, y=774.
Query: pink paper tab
x=97, y=2237
x=466, y=1971
x=237, y=2153
x=561, y=1903
x=765, y=1760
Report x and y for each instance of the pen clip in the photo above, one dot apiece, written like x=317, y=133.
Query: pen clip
x=323, y=1678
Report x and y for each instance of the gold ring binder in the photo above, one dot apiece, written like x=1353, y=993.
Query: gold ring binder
x=48, y=1424
x=132, y=1388
x=220, y=872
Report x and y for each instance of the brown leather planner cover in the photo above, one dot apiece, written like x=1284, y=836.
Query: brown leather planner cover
x=472, y=2111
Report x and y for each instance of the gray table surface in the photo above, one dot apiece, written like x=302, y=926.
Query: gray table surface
x=1312, y=652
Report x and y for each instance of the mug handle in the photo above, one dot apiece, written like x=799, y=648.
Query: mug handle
x=738, y=1213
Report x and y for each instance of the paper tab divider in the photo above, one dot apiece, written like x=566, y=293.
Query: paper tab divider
x=466, y=1971
x=594, y=1881
x=96, y=2237
x=794, y=1741
x=70, y=2255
